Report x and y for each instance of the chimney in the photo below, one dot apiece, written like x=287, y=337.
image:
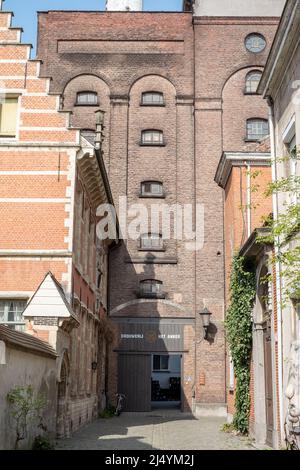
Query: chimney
x=124, y=5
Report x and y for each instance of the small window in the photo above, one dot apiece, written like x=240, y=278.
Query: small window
x=151, y=288
x=87, y=98
x=8, y=116
x=152, y=137
x=160, y=362
x=252, y=81
x=151, y=241
x=255, y=43
x=257, y=129
x=152, y=188
x=11, y=313
x=153, y=98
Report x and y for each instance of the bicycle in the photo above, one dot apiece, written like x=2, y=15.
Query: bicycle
x=120, y=402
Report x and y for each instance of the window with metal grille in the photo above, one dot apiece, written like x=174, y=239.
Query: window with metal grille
x=252, y=81
x=152, y=137
x=151, y=241
x=151, y=288
x=87, y=98
x=8, y=116
x=11, y=313
x=152, y=188
x=257, y=129
x=152, y=98
x=255, y=43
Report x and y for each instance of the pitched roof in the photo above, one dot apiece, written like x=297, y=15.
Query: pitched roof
x=49, y=300
x=26, y=342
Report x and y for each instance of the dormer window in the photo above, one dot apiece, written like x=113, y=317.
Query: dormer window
x=152, y=189
x=151, y=242
x=151, y=289
x=152, y=98
x=87, y=98
x=152, y=137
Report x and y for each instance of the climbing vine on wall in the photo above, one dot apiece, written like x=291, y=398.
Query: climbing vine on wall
x=239, y=335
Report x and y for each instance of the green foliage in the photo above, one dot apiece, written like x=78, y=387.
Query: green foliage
x=42, y=443
x=285, y=231
x=109, y=412
x=25, y=408
x=238, y=325
x=228, y=428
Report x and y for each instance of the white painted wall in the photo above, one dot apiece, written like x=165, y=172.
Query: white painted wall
x=124, y=5
x=22, y=368
x=239, y=7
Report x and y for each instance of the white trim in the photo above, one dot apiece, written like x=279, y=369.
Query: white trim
x=290, y=131
x=16, y=294
x=47, y=129
x=33, y=173
x=35, y=252
x=35, y=199
x=13, y=61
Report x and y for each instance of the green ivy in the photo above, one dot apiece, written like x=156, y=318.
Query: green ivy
x=239, y=335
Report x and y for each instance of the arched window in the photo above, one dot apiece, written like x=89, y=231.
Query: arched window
x=152, y=137
x=152, y=189
x=151, y=241
x=257, y=129
x=152, y=98
x=151, y=288
x=255, y=43
x=87, y=98
x=252, y=81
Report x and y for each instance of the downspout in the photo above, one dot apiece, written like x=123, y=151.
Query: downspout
x=248, y=167
x=277, y=266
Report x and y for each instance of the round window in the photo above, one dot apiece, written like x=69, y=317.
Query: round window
x=255, y=43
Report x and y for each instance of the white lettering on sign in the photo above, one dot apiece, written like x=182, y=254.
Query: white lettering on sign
x=173, y=336
x=127, y=336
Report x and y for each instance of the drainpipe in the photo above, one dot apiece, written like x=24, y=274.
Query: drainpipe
x=248, y=199
x=277, y=266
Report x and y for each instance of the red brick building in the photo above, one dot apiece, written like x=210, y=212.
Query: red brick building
x=179, y=90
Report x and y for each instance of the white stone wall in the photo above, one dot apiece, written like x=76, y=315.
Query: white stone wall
x=124, y=5
x=238, y=7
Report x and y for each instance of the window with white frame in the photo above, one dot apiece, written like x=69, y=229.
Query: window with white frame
x=252, y=81
x=87, y=98
x=151, y=241
x=152, y=137
x=257, y=129
x=152, y=98
x=152, y=188
x=8, y=116
x=11, y=311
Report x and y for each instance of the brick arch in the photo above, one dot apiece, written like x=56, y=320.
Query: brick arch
x=157, y=78
x=246, y=68
x=83, y=117
x=237, y=108
x=87, y=74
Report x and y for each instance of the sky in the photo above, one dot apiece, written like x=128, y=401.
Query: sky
x=25, y=11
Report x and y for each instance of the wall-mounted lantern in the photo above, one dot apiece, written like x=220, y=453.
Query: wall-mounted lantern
x=205, y=315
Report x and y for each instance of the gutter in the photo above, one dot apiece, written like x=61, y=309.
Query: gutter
x=277, y=269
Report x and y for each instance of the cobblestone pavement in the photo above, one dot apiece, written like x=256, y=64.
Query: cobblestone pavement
x=155, y=430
